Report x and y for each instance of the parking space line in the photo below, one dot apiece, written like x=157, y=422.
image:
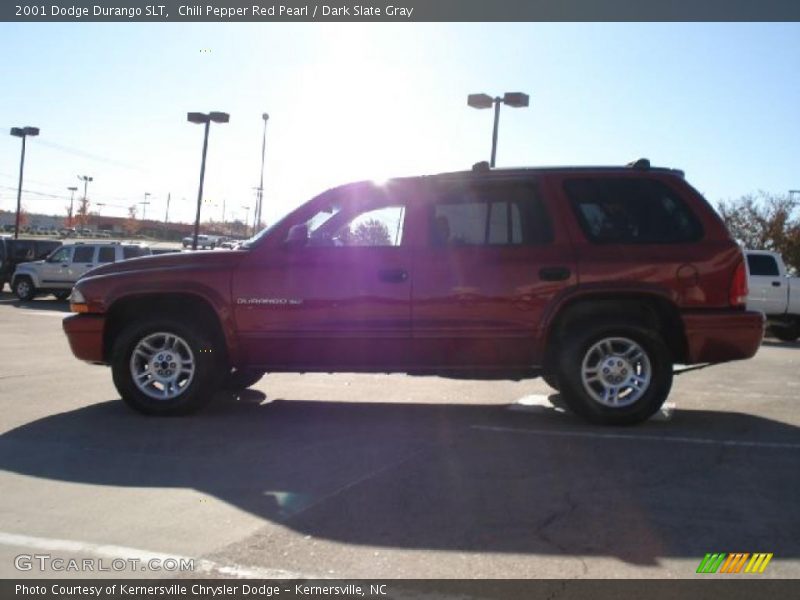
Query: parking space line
x=637, y=438
x=202, y=566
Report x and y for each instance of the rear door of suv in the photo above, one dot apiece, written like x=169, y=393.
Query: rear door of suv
x=492, y=260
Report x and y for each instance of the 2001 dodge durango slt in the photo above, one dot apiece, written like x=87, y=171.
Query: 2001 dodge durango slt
x=600, y=279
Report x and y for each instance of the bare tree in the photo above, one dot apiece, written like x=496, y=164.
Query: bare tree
x=765, y=222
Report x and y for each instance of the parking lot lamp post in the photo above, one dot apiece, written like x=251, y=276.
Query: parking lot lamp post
x=72, y=190
x=513, y=99
x=21, y=132
x=144, y=206
x=257, y=221
x=246, y=219
x=205, y=119
x=85, y=179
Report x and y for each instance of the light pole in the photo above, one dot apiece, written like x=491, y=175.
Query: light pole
x=21, y=132
x=166, y=217
x=144, y=206
x=513, y=99
x=246, y=219
x=72, y=190
x=203, y=118
x=257, y=223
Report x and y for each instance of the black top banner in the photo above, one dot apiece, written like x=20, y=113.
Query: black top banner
x=401, y=10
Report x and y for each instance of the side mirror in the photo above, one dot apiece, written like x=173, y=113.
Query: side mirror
x=297, y=236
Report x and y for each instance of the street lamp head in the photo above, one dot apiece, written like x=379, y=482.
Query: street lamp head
x=516, y=99
x=480, y=101
x=72, y=188
x=264, y=116
x=24, y=131
x=219, y=117
x=197, y=117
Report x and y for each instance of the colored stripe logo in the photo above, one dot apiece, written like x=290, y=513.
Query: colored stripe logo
x=737, y=562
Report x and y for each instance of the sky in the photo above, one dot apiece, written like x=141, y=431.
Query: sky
x=374, y=100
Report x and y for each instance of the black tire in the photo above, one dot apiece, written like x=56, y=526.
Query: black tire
x=790, y=333
x=196, y=393
x=24, y=288
x=241, y=380
x=62, y=294
x=577, y=347
x=551, y=379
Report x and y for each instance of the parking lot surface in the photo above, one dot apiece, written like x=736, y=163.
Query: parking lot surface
x=388, y=476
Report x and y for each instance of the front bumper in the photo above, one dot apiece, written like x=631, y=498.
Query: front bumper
x=723, y=335
x=85, y=335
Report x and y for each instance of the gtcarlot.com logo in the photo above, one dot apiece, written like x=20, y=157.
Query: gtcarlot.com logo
x=47, y=562
x=734, y=563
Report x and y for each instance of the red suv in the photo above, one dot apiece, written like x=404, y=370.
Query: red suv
x=599, y=279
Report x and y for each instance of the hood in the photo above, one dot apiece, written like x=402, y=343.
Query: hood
x=30, y=263
x=184, y=260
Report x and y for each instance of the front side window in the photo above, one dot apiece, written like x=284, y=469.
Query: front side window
x=762, y=264
x=498, y=214
x=60, y=255
x=631, y=211
x=357, y=218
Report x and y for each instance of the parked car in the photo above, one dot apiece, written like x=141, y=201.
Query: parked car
x=600, y=279
x=68, y=232
x=203, y=241
x=774, y=293
x=57, y=273
x=14, y=252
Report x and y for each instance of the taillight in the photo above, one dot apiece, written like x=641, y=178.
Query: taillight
x=738, y=290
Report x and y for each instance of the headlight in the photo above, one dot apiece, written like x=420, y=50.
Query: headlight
x=77, y=297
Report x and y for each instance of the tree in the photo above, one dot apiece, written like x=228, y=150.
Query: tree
x=23, y=217
x=765, y=222
x=370, y=233
x=131, y=225
x=83, y=212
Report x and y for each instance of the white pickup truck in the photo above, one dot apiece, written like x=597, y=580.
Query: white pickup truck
x=774, y=292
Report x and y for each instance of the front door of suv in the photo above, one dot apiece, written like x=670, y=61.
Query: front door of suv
x=336, y=294
x=54, y=271
x=493, y=262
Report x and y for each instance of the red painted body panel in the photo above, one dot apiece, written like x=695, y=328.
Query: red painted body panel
x=456, y=307
x=85, y=335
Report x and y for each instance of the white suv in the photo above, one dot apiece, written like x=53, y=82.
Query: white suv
x=57, y=273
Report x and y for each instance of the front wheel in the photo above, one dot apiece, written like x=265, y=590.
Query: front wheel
x=614, y=373
x=241, y=380
x=165, y=367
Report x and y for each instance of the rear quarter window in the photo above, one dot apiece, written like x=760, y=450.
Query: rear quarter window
x=136, y=251
x=631, y=211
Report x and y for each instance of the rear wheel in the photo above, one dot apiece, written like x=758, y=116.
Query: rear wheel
x=24, y=288
x=614, y=373
x=62, y=294
x=789, y=333
x=165, y=367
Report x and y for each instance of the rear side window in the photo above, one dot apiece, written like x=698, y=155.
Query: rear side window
x=24, y=250
x=631, y=211
x=135, y=251
x=761, y=264
x=495, y=214
x=83, y=254
x=107, y=254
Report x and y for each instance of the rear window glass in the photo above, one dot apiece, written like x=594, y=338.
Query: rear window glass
x=106, y=254
x=83, y=254
x=134, y=251
x=631, y=211
x=497, y=214
x=761, y=264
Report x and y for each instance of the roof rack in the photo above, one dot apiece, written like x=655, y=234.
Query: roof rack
x=643, y=164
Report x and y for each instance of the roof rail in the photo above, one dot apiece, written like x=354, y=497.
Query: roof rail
x=642, y=164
